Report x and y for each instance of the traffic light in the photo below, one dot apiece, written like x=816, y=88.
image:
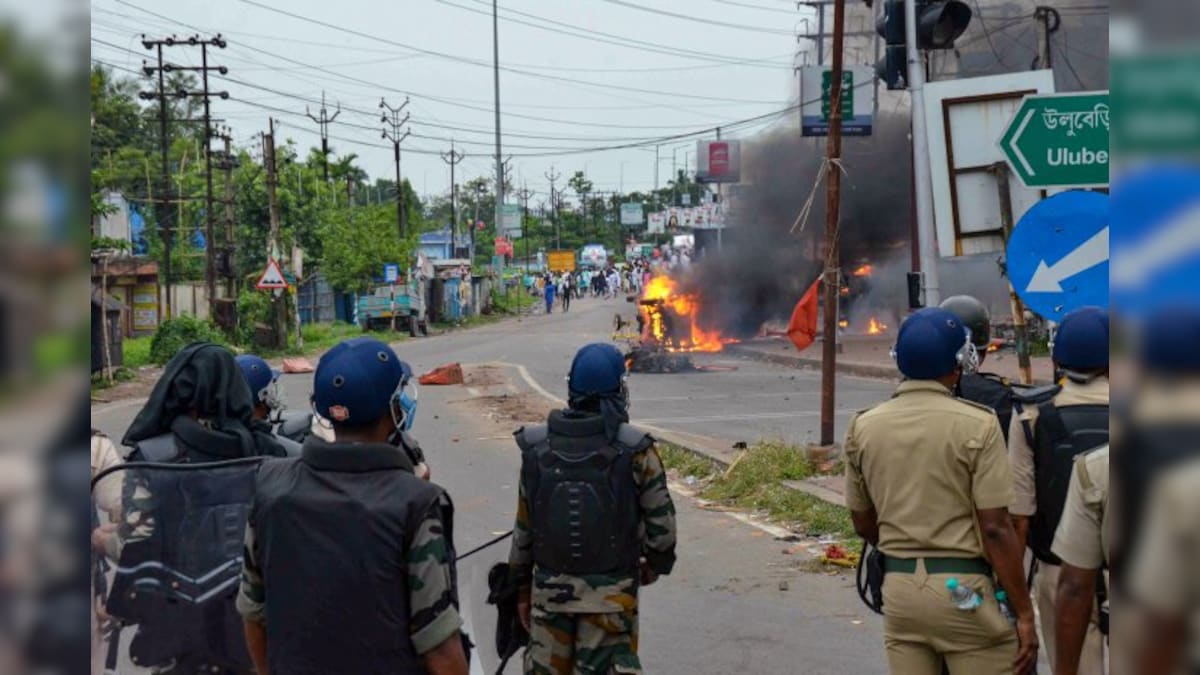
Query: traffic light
x=939, y=24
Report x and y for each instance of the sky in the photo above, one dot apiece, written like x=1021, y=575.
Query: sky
x=580, y=75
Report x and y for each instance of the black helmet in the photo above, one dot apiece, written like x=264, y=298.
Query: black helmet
x=973, y=315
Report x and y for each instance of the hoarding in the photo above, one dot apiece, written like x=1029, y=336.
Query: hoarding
x=718, y=161
x=858, y=100
x=559, y=261
x=631, y=213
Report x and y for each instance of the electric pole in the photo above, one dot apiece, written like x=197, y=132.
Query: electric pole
x=226, y=164
x=323, y=123
x=278, y=317
x=553, y=177
x=523, y=194
x=396, y=122
x=452, y=158
x=831, y=276
x=922, y=175
x=500, y=178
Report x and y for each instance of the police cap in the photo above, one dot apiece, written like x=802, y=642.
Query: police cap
x=931, y=344
x=1170, y=341
x=1081, y=342
x=259, y=374
x=355, y=381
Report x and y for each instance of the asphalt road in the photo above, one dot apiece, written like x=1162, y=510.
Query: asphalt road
x=740, y=600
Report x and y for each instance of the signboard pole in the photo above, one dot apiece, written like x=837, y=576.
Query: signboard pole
x=923, y=173
x=1000, y=169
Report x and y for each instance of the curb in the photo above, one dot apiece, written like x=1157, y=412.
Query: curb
x=857, y=369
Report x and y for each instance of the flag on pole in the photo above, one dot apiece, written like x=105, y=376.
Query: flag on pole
x=802, y=329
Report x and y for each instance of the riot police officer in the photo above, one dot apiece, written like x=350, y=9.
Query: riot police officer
x=947, y=520
x=989, y=389
x=349, y=558
x=268, y=406
x=1043, y=444
x=594, y=522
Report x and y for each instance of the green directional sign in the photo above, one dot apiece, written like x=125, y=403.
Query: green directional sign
x=1060, y=140
x=847, y=95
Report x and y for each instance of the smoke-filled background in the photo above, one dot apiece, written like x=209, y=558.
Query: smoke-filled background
x=764, y=267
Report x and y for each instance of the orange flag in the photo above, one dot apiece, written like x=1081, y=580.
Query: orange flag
x=802, y=329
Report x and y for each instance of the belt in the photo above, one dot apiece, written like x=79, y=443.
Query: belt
x=938, y=565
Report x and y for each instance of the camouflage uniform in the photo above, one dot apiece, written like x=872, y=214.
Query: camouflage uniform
x=432, y=602
x=589, y=624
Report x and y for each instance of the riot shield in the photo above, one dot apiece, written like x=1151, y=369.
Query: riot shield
x=178, y=557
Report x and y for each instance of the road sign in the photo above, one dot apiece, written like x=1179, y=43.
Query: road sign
x=858, y=103
x=631, y=213
x=272, y=277
x=847, y=95
x=560, y=261
x=391, y=273
x=1156, y=231
x=1060, y=140
x=510, y=220
x=1058, y=254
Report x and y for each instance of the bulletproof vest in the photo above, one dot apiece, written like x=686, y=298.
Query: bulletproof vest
x=1060, y=435
x=183, y=527
x=992, y=391
x=583, y=502
x=332, y=543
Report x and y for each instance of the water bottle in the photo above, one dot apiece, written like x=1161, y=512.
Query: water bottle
x=963, y=597
x=1005, y=609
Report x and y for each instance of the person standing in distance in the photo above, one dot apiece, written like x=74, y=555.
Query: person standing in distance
x=349, y=558
x=949, y=520
x=594, y=522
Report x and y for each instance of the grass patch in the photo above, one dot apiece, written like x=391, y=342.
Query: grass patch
x=322, y=336
x=136, y=351
x=685, y=462
x=119, y=375
x=763, y=464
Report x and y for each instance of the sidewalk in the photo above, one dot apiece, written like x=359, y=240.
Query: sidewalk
x=870, y=356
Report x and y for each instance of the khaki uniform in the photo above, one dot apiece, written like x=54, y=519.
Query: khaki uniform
x=1020, y=453
x=926, y=461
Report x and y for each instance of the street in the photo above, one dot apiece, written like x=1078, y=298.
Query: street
x=735, y=602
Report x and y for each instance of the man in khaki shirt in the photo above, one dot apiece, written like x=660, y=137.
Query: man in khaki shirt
x=928, y=483
x=1082, y=543
x=1081, y=353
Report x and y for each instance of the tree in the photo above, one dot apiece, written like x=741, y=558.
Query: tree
x=357, y=245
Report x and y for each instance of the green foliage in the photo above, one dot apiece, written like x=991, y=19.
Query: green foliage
x=684, y=461
x=136, y=351
x=253, y=306
x=109, y=243
x=358, y=243
x=175, y=334
x=319, y=337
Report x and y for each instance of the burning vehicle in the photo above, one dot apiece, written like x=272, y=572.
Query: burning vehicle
x=668, y=330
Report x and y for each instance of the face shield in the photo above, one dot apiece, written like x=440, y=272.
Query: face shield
x=270, y=396
x=404, y=404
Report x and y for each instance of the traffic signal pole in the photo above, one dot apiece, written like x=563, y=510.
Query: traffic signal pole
x=922, y=176
x=831, y=277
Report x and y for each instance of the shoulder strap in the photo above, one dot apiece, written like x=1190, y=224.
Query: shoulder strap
x=1085, y=479
x=633, y=439
x=531, y=437
x=1051, y=421
x=161, y=448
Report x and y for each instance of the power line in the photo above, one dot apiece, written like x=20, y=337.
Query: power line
x=707, y=22
x=759, y=7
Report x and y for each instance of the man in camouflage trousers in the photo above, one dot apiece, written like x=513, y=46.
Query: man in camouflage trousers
x=594, y=522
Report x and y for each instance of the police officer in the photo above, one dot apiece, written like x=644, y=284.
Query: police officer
x=594, y=522
x=1082, y=544
x=1043, y=443
x=264, y=385
x=946, y=520
x=349, y=557
x=993, y=391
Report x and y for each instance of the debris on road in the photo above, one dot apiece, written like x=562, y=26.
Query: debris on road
x=451, y=373
x=297, y=364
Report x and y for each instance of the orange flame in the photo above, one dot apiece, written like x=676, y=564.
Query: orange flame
x=863, y=271
x=843, y=323
x=874, y=327
x=683, y=307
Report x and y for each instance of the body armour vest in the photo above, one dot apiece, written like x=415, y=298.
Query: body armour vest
x=579, y=487
x=992, y=391
x=1060, y=435
x=332, y=532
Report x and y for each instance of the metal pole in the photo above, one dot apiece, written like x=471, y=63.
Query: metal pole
x=833, y=193
x=922, y=176
x=1000, y=170
x=164, y=211
x=496, y=84
x=210, y=260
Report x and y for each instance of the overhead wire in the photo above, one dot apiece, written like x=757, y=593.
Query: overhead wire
x=707, y=22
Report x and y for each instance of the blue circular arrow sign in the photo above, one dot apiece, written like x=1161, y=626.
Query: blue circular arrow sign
x=1058, y=254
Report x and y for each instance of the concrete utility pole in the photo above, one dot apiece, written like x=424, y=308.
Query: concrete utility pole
x=323, y=121
x=553, y=177
x=227, y=164
x=523, y=194
x=278, y=315
x=396, y=122
x=833, y=193
x=452, y=158
x=922, y=175
x=500, y=177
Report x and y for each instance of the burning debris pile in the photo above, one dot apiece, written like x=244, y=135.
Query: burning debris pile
x=668, y=330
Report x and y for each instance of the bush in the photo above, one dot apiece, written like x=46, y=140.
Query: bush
x=175, y=334
x=253, y=306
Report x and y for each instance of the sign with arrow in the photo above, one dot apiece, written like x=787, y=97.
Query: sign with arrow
x=1059, y=140
x=1058, y=254
x=272, y=277
x=1156, y=229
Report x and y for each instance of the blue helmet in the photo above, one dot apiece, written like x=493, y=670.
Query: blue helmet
x=357, y=381
x=932, y=343
x=1169, y=339
x=260, y=376
x=597, y=370
x=1081, y=342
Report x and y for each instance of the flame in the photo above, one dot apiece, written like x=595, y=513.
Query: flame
x=684, y=307
x=874, y=327
x=863, y=271
x=843, y=323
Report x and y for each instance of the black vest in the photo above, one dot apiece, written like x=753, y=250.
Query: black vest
x=333, y=529
x=583, y=502
x=1060, y=435
x=992, y=391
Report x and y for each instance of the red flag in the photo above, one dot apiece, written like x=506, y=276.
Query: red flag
x=802, y=329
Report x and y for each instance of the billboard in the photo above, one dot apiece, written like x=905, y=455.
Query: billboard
x=858, y=100
x=559, y=261
x=718, y=161
x=510, y=220
x=657, y=223
x=631, y=213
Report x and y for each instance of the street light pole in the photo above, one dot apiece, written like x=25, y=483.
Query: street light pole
x=923, y=176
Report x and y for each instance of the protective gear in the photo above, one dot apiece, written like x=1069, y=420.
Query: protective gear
x=353, y=494
x=1169, y=340
x=295, y=425
x=597, y=381
x=356, y=381
x=404, y=408
x=973, y=315
x=179, y=566
x=932, y=343
x=263, y=380
x=582, y=498
x=992, y=390
x=503, y=592
x=1081, y=342
x=1060, y=435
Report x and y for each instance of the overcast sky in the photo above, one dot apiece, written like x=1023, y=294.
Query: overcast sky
x=577, y=91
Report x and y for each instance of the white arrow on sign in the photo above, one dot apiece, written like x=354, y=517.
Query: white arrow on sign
x=1178, y=240
x=1048, y=278
x=1017, y=149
